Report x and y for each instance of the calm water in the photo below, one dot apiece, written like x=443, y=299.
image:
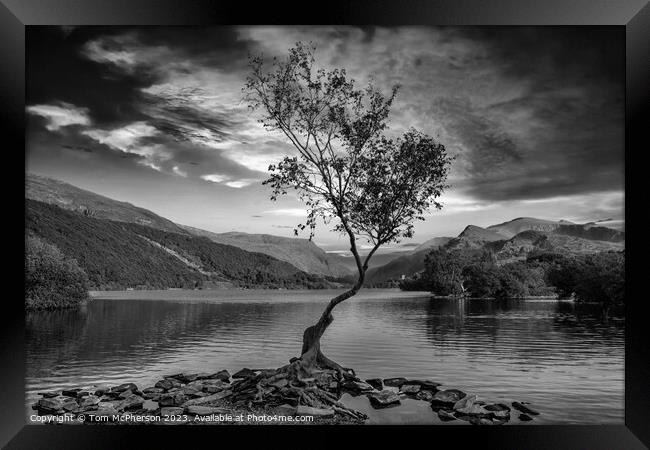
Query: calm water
x=558, y=356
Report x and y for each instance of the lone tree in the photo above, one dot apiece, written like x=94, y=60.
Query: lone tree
x=346, y=171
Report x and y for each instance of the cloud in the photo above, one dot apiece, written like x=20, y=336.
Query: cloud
x=292, y=212
x=60, y=115
x=215, y=177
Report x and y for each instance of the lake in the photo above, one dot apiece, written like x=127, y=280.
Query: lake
x=559, y=356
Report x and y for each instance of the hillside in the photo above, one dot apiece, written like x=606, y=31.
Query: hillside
x=474, y=237
x=66, y=196
x=432, y=243
x=537, y=235
x=516, y=226
x=119, y=255
x=301, y=253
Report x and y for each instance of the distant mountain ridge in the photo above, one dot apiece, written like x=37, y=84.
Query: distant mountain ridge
x=120, y=255
x=67, y=196
x=301, y=253
x=511, y=241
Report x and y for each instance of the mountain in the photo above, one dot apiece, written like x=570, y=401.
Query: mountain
x=301, y=253
x=432, y=243
x=406, y=265
x=474, y=237
x=510, y=241
x=66, y=196
x=515, y=226
x=120, y=255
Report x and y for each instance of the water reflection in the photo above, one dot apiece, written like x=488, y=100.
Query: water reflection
x=558, y=355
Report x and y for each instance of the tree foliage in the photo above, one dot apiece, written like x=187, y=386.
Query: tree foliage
x=51, y=279
x=346, y=168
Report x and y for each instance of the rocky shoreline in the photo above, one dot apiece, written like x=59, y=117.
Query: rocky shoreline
x=263, y=396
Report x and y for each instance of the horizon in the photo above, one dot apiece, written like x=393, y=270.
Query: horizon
x=154, y=117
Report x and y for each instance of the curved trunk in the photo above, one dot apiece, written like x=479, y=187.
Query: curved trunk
x=311, y=355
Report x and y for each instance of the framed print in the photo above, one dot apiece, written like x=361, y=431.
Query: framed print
x=383, y=218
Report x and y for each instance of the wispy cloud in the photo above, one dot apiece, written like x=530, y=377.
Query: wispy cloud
x=60, y=115
x=292, y=212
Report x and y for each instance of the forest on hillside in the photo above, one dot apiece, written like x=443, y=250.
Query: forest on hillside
x=118, y=255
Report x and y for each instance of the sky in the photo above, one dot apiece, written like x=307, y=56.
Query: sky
x=155, y=116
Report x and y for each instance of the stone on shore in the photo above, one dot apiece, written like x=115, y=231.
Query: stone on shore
x=171, y=411
x=208, y=398
x=525, y=417
x=383, y=399
x=445, y=416
x=426, y=396
x=394, y=382
x=425, y=384
x=131, y=402
x=70, y=392
x=303, y=410
x=285, y=410
x=172, y=399
x=376, y=383
x=222, y=375
x=447, y=398
x=356, y=386
x=244, y=373
x=410, y=389
x=57, y=404
x=124, y=387
x=90, y=400
x=524, y=409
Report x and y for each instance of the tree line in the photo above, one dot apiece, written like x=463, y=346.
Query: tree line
x=597, y=277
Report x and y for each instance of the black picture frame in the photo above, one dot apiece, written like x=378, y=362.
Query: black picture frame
x=633, y=15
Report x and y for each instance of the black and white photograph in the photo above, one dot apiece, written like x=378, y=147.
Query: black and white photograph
x=325, y=225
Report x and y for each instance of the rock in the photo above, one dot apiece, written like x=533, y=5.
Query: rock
x=285, y=410
x=222, y=375
x=334, y=385
x=90, y=400
x=149, y=406
x=131, y=402
x=447, y=398
x=56, y=404
x=124, y=387
x=82, y=394
x=191, y=392
x=445, y=416
x=280, y=383
x=465, y=402
x=427, y=396
x=186, y=377
x=71, y=392
x=171, y=411
x=165, y=384
x=425, y=384
x=202, y=410
x=524, y=409
x=480, y=421
x=153, y=390
x=356, y=386
x=410, y=389
x=383, y=399
x=208, y=398
x=394, y=382
x=244, y=373
x=126, y=394
x=525, y=418
x=303, y=410
x=499, y=411
x=376, y=383
x=172, y=399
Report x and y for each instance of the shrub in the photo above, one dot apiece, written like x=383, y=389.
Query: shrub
x=51, y=279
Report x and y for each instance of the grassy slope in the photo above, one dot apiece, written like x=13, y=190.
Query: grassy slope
x=116, y=255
